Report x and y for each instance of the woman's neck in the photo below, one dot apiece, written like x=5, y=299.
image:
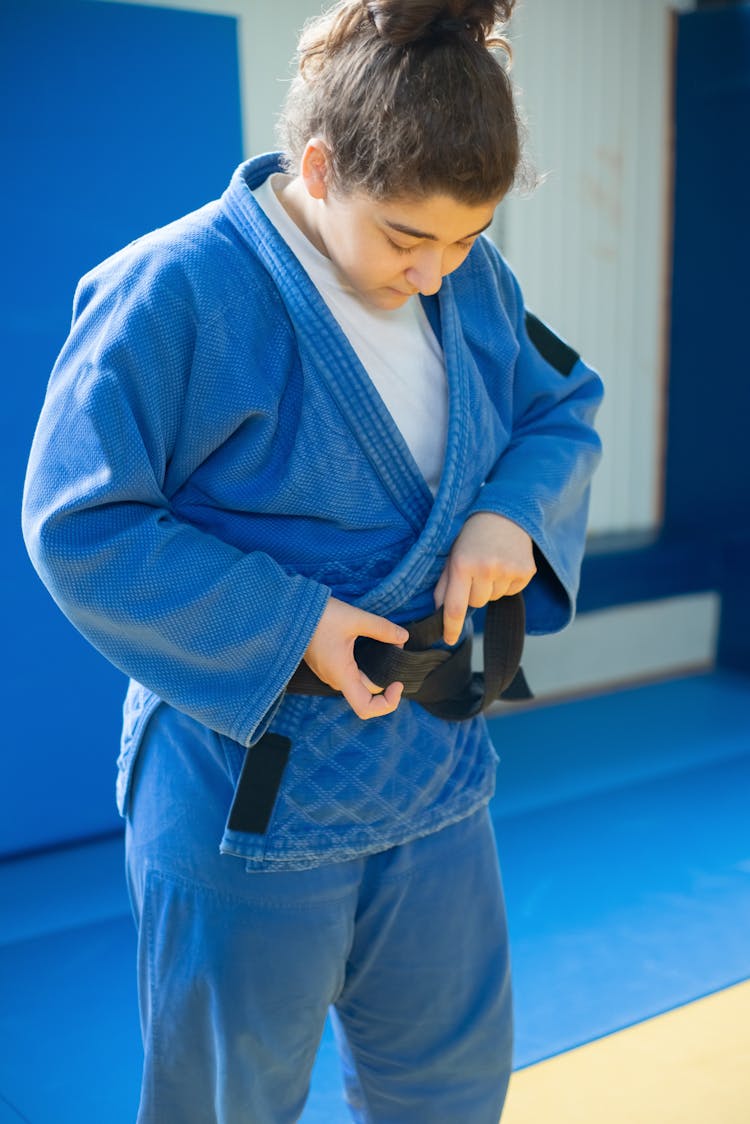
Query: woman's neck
x=295, y=200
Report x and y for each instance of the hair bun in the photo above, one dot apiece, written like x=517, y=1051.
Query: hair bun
x=400, y=22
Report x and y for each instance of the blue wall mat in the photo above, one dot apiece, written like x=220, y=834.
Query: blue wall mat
x=118, y=118
x=708, y=474
x=709, y=396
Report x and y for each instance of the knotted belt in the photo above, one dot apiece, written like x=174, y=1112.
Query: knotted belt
x=440, y=679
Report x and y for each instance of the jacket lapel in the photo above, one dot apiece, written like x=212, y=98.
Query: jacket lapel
x=325, y=349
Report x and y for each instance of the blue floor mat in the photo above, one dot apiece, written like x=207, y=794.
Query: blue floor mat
x=577, y=748
x=628, y=894
x=69, y=1026
x=8, y=1115
x=626, y=904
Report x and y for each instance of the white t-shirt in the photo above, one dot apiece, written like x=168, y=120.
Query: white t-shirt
x=397, y=347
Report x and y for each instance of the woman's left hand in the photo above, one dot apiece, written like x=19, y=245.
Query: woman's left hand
x=491, y=558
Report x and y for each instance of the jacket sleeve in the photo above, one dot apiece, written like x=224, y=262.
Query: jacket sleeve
x=212, y=630
x=542, y=479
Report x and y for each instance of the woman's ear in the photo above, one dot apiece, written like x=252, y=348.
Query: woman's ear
x=314, y=168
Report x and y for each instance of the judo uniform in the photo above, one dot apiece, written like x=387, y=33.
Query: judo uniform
x=211, y=463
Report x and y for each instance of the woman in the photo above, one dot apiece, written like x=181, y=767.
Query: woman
x=307, y=414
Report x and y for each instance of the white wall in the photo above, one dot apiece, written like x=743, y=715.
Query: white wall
x=592, y=244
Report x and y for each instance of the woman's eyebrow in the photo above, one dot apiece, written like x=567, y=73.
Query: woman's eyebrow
x=432, y=237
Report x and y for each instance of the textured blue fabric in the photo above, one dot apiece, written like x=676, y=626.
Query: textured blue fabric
x=212, y=460
x=237, y=970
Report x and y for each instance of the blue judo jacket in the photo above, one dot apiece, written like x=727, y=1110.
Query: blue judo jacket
x=212, y=462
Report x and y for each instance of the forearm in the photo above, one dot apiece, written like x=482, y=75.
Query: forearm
x=214, y=631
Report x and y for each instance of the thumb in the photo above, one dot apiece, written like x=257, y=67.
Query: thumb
x=378, y=628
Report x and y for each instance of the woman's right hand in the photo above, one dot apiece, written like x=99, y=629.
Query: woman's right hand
x=330, y=654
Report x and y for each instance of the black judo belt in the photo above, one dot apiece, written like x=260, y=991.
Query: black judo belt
x=439, y=679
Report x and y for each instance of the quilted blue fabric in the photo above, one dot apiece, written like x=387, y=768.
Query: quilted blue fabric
x=212, y=460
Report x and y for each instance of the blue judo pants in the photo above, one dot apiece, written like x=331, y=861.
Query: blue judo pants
x=237, y=970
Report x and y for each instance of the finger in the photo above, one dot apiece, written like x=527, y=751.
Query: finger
x=439, y=593
x=481, y=593
x=522, y=582
x=515, y=586
x=393, y=693
x=366, y=705
x=378, y=628
x=454, y=607
x=371, y=687
x=380, y=705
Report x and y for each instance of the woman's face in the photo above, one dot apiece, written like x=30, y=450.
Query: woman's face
x=389, y=251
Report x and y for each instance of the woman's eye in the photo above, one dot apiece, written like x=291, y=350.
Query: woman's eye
x=397, y=248
x=463, y=246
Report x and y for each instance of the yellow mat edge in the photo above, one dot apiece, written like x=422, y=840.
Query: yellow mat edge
x=687, y=1065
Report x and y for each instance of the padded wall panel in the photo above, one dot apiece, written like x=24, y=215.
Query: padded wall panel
x=708, y=478
x=708, y=482
x=118, y=118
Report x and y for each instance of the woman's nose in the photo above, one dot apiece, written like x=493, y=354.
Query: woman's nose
x=426, y=273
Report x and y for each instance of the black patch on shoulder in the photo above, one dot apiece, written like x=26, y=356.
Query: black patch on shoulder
x=557, y=353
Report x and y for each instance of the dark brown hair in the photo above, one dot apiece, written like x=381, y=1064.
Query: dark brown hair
x=410, y=98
